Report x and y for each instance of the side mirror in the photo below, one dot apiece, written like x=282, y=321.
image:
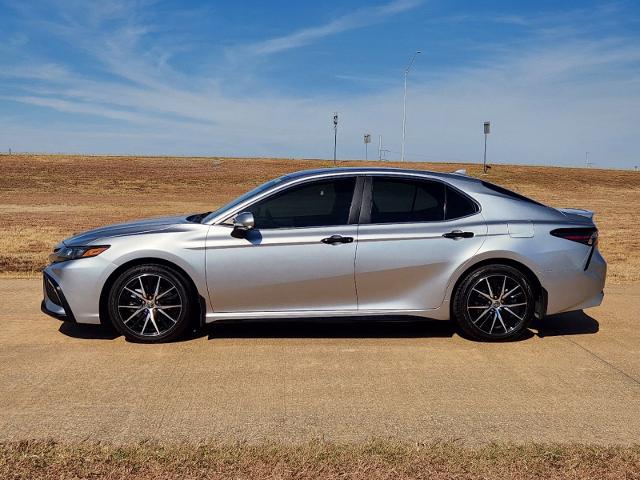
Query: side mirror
x=244, y=221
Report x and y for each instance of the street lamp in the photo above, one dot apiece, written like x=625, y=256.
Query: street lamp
x=487, y=131
x=335, y=136
x=404, y=105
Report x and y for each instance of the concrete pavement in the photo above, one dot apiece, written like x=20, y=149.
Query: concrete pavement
x=577, y=379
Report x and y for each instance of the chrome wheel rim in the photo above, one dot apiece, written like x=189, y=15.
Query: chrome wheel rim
x=149, y=305
x=497, y=304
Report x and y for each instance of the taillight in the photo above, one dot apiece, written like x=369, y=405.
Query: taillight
x=587, y=236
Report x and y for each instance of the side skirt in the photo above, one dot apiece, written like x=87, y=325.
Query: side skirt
x=434, y=314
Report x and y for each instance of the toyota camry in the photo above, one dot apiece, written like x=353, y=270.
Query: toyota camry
x=332, y=243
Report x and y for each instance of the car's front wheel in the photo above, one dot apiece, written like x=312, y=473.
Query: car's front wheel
x=494, y=302
x=150, y=303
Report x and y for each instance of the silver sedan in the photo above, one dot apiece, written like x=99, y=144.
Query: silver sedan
x=336, y=242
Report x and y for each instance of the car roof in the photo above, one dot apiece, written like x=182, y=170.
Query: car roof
x=319, y=172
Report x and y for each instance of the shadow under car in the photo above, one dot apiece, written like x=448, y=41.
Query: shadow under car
x=570, y=323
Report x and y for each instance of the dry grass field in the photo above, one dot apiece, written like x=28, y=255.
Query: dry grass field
x=44, y=198
x=377, y=460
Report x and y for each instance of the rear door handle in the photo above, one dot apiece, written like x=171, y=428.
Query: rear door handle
x=456, y=234
x=333, y=239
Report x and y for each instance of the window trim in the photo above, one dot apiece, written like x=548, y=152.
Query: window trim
x=367, y=200
x=354, y=206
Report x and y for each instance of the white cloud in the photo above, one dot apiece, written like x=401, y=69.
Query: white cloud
x=358, y=19
x=549, y=102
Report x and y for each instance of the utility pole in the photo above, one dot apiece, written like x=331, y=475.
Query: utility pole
x=587, y=163
x=335, y=136
x=382, y=152
x=404, y=103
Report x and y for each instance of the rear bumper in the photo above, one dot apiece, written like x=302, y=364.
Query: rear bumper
x=594, y=301
x=578, y=289
x=54, y=302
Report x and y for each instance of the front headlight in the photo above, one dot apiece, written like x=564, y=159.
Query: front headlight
x=65, y=253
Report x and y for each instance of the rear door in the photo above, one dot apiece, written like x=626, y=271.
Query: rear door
x=300, y=255
x=413, y=235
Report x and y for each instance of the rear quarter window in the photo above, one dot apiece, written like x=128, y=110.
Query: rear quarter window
x=458, y=205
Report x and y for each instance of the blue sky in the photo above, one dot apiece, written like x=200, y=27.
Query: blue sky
x=556, y=79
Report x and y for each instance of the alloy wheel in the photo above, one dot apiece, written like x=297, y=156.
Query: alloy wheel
x=149, y=305
x=497, y=304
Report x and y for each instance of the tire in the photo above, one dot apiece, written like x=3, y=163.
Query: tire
x=494, y=303
x=150, y=304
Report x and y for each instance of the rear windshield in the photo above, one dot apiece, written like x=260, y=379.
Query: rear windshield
x=509, y=193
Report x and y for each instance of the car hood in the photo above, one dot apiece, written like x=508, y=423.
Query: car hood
x=138, y=227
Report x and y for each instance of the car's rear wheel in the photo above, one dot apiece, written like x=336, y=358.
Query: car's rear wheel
x=150, y=303
x=494, y=303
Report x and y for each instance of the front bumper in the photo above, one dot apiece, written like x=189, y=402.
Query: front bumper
x=80, y=284
x=54, y=302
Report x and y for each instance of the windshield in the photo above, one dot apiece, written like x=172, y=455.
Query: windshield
x=259, y=189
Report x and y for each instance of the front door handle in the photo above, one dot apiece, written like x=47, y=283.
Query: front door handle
x=456, y=234
x=333, y=239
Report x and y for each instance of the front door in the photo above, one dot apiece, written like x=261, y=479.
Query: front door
x=299, y=257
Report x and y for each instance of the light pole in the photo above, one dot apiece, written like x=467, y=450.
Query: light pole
x=487, y=131
x=404, y=103
x=335, y=136
x=367, y=141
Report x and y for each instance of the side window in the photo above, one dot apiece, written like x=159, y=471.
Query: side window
x=458, y=205
x=401, y=200
x=316, y=204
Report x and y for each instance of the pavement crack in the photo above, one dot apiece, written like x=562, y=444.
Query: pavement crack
x=609, y=364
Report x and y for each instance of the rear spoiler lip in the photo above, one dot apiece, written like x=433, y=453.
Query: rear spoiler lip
x=577, y=211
